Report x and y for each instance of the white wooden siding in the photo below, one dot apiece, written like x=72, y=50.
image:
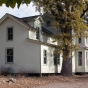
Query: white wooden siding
x=49, y=67
x=26, y=53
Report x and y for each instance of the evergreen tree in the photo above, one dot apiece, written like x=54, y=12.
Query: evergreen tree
x=68, y=16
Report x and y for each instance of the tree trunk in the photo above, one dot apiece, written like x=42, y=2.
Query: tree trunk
x=67, y=64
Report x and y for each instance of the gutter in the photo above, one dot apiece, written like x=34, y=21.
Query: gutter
x=40, y=42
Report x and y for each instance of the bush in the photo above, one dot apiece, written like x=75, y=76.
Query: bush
x=22, y=72
x=6, y=71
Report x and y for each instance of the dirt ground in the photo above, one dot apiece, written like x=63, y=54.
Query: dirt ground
x=76, y=81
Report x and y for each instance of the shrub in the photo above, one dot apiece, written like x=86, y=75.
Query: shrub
x=6, y=71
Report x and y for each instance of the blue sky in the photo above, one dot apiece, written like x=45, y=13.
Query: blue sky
x=23, y=11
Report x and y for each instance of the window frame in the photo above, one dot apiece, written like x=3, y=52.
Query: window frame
x=56, y=59
x=80, y=59
x=44, y=57
x=37, y=33
x=10, y=33
x=6, y=61
x=80, y=40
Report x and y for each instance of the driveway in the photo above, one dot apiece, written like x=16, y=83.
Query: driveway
x=66, y=85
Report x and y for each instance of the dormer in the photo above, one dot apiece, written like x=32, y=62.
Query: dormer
x=33, y=20
x=47, y=21
x=35, y=26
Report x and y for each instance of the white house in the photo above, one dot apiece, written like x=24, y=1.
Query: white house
x=26, y=44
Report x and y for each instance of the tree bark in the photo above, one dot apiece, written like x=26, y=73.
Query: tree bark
x=67, y=66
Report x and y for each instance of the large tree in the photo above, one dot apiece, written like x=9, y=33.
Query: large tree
x=68, y=18
x=12, y=3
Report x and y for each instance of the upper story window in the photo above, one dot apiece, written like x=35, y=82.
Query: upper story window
x=37, y=33
x=79, y=40
x=10, y=33
x=48, y=23
x=45, y=56
x=80, y=58
x=9, y=55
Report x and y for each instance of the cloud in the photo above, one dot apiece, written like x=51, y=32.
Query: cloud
x=23, y=11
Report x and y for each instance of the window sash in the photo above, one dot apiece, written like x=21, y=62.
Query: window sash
x=37, y=33
x=80, y=58
x=45, y=56
x=44, y=60
x=57, y=59
x=9, y=55
x=9, y=58
x=9, y=33
x=79, y=40
x=80, y=62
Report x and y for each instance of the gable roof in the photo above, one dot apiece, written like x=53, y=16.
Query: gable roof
x=46, y=31
x=23, y=21
x=14, y=18
x=18, y=20
x=29, y=18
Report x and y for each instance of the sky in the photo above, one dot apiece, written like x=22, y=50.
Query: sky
x=23, y=11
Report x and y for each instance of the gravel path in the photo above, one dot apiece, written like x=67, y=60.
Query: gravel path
x=76, y=81
x=66, y=85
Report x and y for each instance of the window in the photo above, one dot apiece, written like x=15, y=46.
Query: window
x=57, y=59
x=80, y=58
x=48, y=23
x=10, y=33
x=79, y=40
x=87, y=58
x=9, y=55
x=37, y=33
x=45, y=56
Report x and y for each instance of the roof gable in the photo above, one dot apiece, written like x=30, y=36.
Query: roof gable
x=29, y=18
x=24, y=21
x=32, y=18
x=15, y=19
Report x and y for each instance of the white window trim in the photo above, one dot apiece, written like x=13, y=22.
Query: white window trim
x=80, y=58
x=37, y=33
x=7, y=33
x=56, y=58
x=6, y=56
x=44, y=57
